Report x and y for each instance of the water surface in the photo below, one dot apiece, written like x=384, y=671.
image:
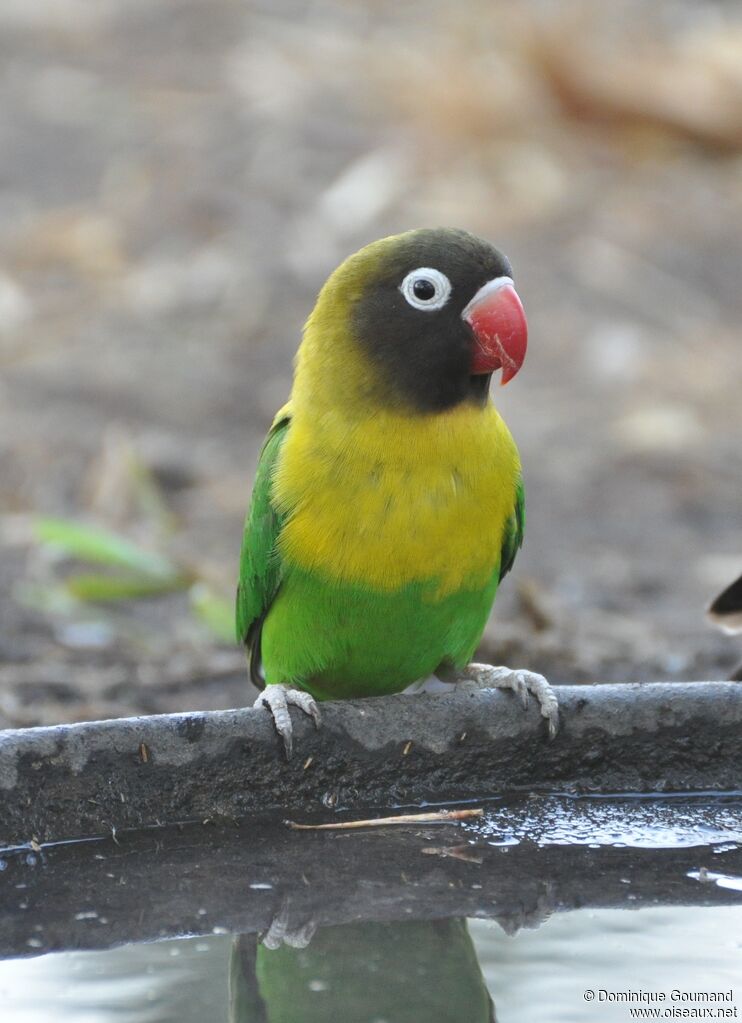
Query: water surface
x=546, y=909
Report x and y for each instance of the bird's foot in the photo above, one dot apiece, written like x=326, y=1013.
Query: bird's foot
x=277, y=698
x=531, y=913
x=522, y=682
x=285, y=931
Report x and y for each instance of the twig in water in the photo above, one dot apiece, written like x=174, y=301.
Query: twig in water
x=380, y=822
x=455, y=852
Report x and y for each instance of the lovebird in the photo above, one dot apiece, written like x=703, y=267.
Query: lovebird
x=388, y=502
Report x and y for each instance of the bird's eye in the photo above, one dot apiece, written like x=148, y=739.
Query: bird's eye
x=426, y=288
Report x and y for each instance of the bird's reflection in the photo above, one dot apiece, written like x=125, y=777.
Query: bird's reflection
x=404, y=972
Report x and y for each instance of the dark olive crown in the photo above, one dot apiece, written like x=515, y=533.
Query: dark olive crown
x=424, y=356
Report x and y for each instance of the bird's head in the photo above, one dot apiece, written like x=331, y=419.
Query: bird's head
x=418, y=320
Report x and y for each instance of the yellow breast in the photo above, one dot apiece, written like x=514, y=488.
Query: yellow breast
x=390, y=499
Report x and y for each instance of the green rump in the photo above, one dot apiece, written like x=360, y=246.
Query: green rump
x=339, y=640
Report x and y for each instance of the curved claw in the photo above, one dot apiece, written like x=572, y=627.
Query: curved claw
x=520, y=688
x=277, y=699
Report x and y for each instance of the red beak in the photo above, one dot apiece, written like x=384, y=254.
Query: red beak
x=498, y=321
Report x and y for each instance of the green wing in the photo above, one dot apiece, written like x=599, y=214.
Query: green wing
x=260, y=563
x=514, y=527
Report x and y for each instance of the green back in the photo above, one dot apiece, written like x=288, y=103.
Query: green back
x=512, y=541
x=260, y=564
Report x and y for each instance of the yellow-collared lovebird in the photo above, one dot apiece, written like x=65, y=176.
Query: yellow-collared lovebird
x=388, y=501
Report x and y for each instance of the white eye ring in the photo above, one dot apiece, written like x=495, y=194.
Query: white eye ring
x=440, y=283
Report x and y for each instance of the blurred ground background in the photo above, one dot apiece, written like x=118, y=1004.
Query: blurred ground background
x=177, y=179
